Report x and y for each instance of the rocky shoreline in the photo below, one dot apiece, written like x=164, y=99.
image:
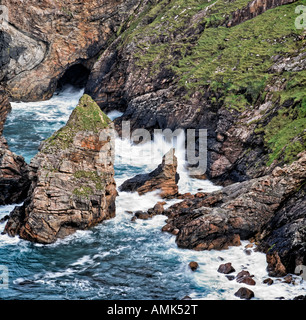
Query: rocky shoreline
x=222, y=66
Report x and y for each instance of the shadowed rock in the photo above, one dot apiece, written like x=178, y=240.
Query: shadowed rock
x=14, y=180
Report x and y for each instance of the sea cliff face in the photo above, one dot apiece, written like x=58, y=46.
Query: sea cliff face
x=44, y=38
x=234, y=68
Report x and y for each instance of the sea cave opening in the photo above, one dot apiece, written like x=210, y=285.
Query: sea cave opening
x=76, y=76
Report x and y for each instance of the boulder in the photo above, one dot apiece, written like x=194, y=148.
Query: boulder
x=164, y=178
x=72, y=179
x=268, y=281
x=245, y=293
x=226, y=268
x=193, y=265
x=245, y=277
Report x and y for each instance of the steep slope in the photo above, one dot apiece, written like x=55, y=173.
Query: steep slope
x=235, y=68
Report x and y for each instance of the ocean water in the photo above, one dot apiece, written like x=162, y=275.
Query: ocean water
x=119, y=259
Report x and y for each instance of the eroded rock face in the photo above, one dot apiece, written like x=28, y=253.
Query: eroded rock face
x=164, y=178
x=239, y=211
x=47, y=37
x=14, y=180
x=73, y=184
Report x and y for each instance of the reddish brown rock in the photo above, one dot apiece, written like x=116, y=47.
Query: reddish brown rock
x=48, y=37
x=164, y=178
x=245, y=277
x=73, y=186
x=275, y=266
x=239, y=211
x=253, y=9
x=226, y=268
x=245, y=293
x=193, y=265
x=268, y=281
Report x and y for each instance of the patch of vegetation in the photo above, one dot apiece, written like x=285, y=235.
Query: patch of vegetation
x=91, y=177
x=83, y=192
x=286, y=133
x=233, y=64
x=87, y=116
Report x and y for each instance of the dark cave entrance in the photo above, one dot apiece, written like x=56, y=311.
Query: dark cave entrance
x=77, y=76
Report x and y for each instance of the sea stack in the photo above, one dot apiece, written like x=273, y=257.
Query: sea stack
x=72, y=179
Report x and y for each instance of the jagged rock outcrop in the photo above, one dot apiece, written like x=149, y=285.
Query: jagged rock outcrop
x=239, y=211
x=73, y=184
x=253, y=9
x=44, y=38
x=163, y=178
x=14, y=180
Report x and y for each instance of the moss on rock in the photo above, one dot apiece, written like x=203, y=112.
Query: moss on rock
x=87, y=116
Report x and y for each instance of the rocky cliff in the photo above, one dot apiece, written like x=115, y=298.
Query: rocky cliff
x=43, y=39
x=235, y=68
x=72, y=176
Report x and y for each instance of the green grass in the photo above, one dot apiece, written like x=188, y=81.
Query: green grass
x=286, y=133
x=91, y=177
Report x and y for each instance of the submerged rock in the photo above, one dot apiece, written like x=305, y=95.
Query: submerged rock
x=164, y=178
x=72, y=176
